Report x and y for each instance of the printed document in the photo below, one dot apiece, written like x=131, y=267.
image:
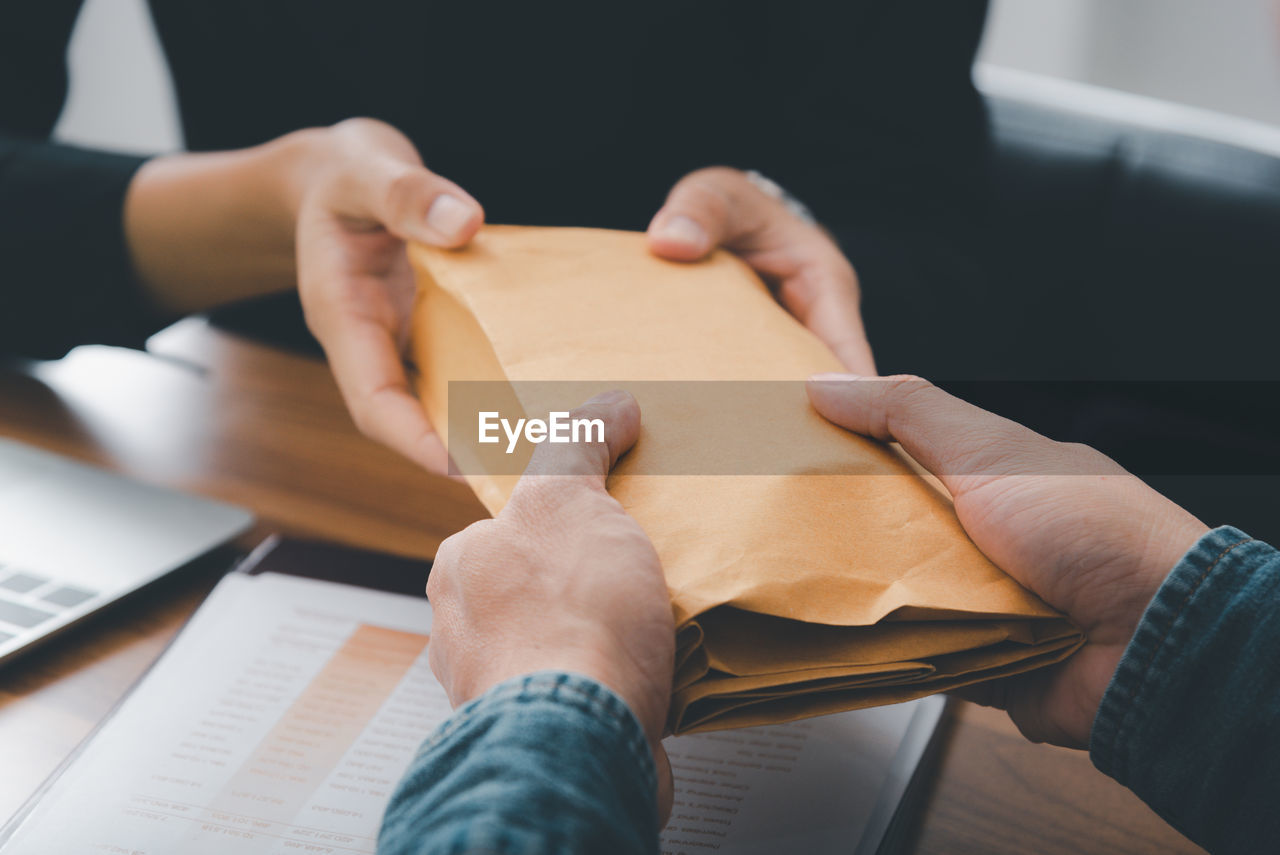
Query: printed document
x=282, y=717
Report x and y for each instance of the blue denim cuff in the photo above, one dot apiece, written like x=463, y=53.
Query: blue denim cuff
x=542, y=764
x=1191, y=720
x=572, y=693
x=1168, y=632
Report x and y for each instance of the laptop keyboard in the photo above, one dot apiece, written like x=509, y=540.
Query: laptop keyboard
x=17, y=614
x=22, y=582
x=29, y=600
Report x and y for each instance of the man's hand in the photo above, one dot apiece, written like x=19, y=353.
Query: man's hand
x=562, y=579
x=363, y=192
x=721, y=207
x=1064, y=520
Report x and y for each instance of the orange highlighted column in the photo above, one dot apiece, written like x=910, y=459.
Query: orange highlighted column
x=319, y=727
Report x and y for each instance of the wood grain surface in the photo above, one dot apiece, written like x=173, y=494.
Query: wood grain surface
x=212, y=413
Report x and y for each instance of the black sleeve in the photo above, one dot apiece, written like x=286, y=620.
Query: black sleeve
x=65, y=272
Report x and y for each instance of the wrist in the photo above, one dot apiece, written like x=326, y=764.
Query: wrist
x=1168, y=540
x=235, y=243
x=645, y=706
x=1203, y=622
x=1165, y=543
x=1137, y=537
x=292, y=164
x=647, y=703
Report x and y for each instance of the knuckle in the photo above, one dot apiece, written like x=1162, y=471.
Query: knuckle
x=904, y=397
x=405, y=192
x=435, y=587
x=718, y=176
x=841, y=268
x=446, y=555
x=311, y=315
x=357, y=125
x=614, y=528
x=362, y=130
x=535, y=497
x=704, y=195
x=909, y=389
x=362, y=417
x=1080, y=458
x=610, y=532
x=461, y=548
x=590, y=500
x=551, y=503
x=455, y=554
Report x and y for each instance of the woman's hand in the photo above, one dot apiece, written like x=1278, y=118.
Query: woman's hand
x=722, y=207
x=1064, y=520
x=561, y=579
x=363, y=192
x=328, y=209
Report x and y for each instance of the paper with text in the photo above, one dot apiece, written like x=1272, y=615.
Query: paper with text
x=282, y=717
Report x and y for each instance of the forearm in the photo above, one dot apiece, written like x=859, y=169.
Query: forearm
x=210, y=228
x=548, y=763
x=1191, y=720
x=106, y=248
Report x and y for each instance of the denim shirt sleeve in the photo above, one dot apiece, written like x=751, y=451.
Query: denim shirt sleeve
x=546, y=763
x=1191, y=719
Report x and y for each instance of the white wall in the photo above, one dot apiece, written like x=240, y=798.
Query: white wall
x=1045, y=36
x=1221, y=55
x=1218, y=54
x=120, y=95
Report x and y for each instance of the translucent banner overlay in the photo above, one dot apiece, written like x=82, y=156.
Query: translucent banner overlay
x=1152, y=429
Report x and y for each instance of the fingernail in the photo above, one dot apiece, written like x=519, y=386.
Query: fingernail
x=834, y=377
x=682, y=229
x=613, y=396
x=448, y=215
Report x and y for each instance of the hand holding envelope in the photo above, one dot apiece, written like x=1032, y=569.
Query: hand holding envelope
x=832, y=578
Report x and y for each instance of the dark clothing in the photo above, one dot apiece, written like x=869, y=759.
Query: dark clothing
x=565, y=114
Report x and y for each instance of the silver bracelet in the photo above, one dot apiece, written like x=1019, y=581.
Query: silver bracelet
x=771, y=188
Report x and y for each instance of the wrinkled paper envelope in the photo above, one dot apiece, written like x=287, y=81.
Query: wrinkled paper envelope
x=832, y=578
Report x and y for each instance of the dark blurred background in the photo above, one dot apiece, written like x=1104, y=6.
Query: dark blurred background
x=1114, y=280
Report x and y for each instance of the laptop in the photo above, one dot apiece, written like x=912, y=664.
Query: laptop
x=74, y=539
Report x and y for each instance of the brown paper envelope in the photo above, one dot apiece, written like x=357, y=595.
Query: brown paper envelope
x=729, y=637
x=706, y=703
x=836, y=544
x=730, y=711
x=797, y=649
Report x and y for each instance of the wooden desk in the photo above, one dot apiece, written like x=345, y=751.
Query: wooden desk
x=215, y=414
